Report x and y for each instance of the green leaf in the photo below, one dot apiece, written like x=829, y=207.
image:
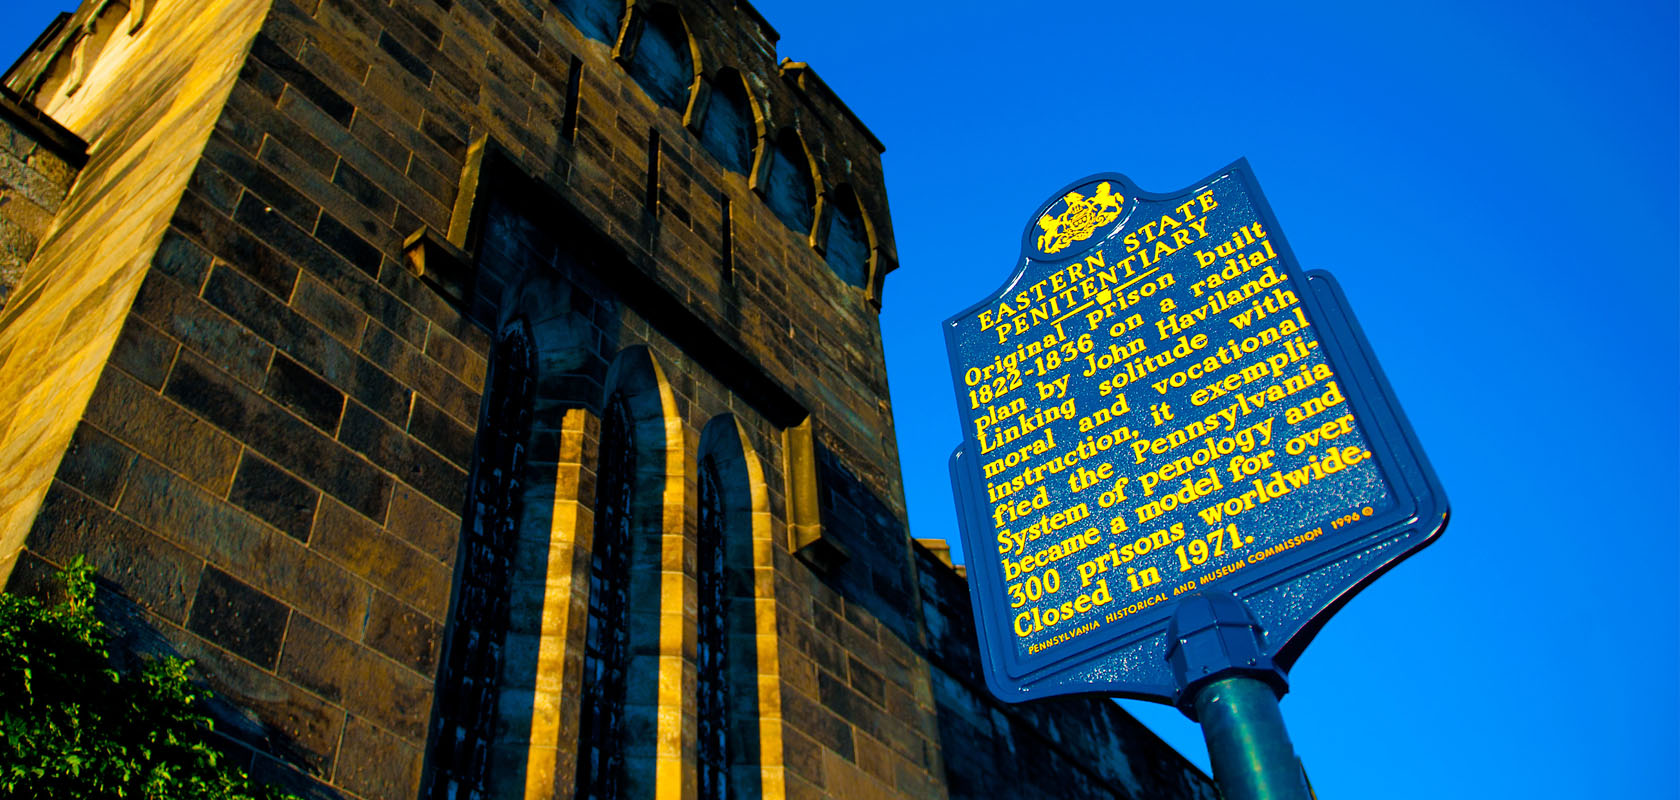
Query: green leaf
x=71, y=725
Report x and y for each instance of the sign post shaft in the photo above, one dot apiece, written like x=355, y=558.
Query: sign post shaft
x=1247, y=743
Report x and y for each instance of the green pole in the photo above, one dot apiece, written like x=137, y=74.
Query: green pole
x=1247, y=743
x=1229, y=683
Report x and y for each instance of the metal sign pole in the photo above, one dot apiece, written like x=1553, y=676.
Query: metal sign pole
x=1251, y=754
x=1229, y=683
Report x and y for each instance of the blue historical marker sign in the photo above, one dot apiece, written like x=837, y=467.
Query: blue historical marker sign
x=1160, y=401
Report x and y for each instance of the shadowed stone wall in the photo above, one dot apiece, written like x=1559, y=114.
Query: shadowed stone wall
x=250, y=384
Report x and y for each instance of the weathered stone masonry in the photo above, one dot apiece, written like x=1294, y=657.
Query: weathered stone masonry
x=316, y=312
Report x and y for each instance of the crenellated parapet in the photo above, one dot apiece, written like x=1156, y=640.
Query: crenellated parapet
x=796, y=120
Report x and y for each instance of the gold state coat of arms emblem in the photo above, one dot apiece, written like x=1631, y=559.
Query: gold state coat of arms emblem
x=1083, y=216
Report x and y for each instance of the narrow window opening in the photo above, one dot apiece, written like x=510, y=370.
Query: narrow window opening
x=788, y=187
x=652, y=200
x=848, y=250
x=465, y=727
x=727, y=131
x=712, y=744
x=574, y=90
x=726, y=244
x=601, y=764
x=660, y=61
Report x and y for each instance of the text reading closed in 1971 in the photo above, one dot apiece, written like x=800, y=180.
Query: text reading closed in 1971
x=1153, y=416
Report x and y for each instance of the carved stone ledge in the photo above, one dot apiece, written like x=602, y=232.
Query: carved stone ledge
x=439, y=264
x=805, y=530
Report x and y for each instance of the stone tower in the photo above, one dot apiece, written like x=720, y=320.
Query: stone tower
x=488, y=396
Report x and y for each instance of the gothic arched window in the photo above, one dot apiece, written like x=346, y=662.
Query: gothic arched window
x=596, y=19
x=848, y=240
x=661, y=62
x=601, y=767
x=712, y=655
x=787, y=186
x=727, y=131
x=464, y=728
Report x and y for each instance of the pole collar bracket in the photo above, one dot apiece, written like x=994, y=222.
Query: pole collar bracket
x=1213, y=636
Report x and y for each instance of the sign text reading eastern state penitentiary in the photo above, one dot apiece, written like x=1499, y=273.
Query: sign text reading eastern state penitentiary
x=1149, y=412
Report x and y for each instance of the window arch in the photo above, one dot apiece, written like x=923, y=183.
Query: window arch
x=631, y=676
x=601, y=745
x=661, y=60
x=596, y=19
x=712, y=744
x=729, y=129
x=730, y=495
x=464, y=728
x=788, y=187
x=848, y=250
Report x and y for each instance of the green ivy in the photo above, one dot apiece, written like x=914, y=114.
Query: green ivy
x=71, y=726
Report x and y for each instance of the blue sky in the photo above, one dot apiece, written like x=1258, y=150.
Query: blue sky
x=1495, y=186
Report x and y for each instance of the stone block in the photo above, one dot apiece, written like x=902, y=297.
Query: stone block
x=851, y=706
x=304, y=393
x=429, y=527
x=382, y=559
x=259, y=262
x=376, y=765
x=270, y=715
x=363, y=190
x=144, y=352
x=182, y=259
x=319, y=126
x=236, y=617
x=236, y=129
x=142, y=566
x=369, y=686
x=393, y=449
x=296, y=76
x=278, y=435
x=866, y=681
x=407, y=364
x=271, y=493
x=392, y=154
x=461, y=361
x=213, y=529
x=307, y=343
x=299, y=246
x=845, y=779
x=96, y=464
x=328, y=309
x=258, y=179
x=815, y=721
x=39, y=189
x=346, y=243
x=201, y=327
x=404, y=633
x=405, y=59
x=432, y=181
x=441, y=432
x=139, y=418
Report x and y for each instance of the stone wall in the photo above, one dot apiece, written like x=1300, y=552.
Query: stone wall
x=144, y=129
x=38, y=161
x=1060, y=747
x=260, y=399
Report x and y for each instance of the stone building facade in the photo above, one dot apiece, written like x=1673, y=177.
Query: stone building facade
x=488, y=396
